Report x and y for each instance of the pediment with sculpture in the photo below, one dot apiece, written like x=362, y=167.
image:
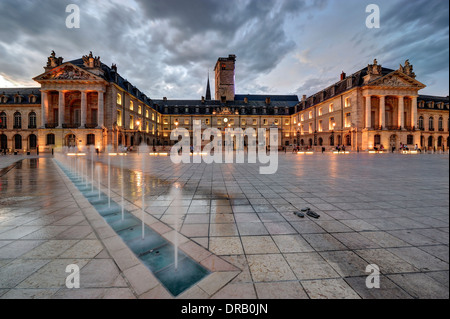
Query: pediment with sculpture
x=67, y=72
x=397, y=79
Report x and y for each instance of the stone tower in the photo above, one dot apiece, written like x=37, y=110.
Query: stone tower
x=225, y=78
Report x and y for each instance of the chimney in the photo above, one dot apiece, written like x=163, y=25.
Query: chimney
x=203, y=99
x=246, y=100
x=304, y=98
x=165, y=99
x=343, y=75
x=267, y=100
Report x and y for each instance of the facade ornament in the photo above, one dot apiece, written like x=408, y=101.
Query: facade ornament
x=53, y=61
x=375, y=68
x=91, y=62
x=407, y=69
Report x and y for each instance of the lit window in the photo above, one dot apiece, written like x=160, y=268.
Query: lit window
x=119, y=99
x=219, y=122
x=287, y=122
x=310, y=128
x=186, y=122
x=276, y=122
x=302, y=118
x=320, y=111
x=166, y=121
x=159, y=119
x=331, y=108
x=147, y=127
x=265, y=122
x=332, y=124
x=310, y=114
x=255, y=122
x=348, y=119
x=287, y=135
x=348, y=102
x=131, y=106
x=153, y=116
x=320, y=126
x=119, y=118
x=131, y=122
x=244, y=122
x=146, y=113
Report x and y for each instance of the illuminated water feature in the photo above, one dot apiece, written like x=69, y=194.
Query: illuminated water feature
x=176, y=271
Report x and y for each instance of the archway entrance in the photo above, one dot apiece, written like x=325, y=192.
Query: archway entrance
x=71, y=140
x=17, y=142
x=393, y=142
x=3, y=142
x=32, y=141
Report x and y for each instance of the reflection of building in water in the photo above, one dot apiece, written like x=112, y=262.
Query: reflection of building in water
x=84, y=102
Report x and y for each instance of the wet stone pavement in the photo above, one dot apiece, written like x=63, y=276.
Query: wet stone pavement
x=390, y=210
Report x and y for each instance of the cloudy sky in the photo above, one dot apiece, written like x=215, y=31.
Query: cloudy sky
x=167, y=47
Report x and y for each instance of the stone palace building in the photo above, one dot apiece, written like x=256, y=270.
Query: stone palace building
x=84, y=102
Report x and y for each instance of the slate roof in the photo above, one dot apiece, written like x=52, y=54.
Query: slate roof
x=24, y=92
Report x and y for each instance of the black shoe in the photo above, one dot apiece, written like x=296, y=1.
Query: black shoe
x=313, y=214
x=307, y=209
x=301, y=215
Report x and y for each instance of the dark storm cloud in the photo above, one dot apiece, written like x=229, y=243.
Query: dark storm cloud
x=166, y=47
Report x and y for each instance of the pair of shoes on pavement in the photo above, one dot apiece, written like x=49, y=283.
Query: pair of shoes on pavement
x=308, y=212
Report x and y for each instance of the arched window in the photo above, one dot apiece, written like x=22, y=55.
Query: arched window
x=441, y=124
x=50, y=139
x=420, y=125
x=440, y=139
x=32, y=120
x=431, y=124
x=3, y=120
x=17, y=120
x=430, y=141
x=320, y=141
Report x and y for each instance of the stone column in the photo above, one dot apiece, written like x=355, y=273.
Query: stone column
x=383, y=112
x=414, y=111
x=100, y=110
x=61, y=109
x=401, y=112
x=83, y=108
x=368, y=111
x=44, y=108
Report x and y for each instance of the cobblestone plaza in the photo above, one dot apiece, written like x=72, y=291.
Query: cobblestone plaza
x=389, y=210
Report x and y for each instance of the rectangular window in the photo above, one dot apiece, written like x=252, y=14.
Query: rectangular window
x=320, y=111
x=50, y=139
x=348, y=119
x=153, y=116
x=320, y=126
x=131, y=106
x=244, y=122
x=219, y=122
x=310, y=128
x=348, y=102
x=131, y=122
x=332, y=124
x=147, y=127
x=207, y=121
x=286, y=122
x=265, y=122
x=165, y=121
x=310, y=114
x=255, y=122
x=159, y=119
x=94, y=117
x=119, y=118
x=119, y=99
x=186, y=122
x=331, y=108
x=302, y=118
x=139, y=109
x=146, y=113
